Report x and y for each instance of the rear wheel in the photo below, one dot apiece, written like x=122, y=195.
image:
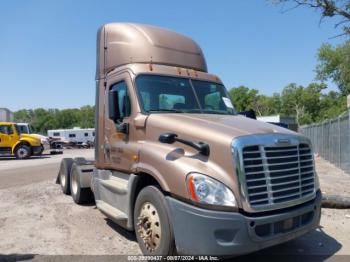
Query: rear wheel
x=64, y=175
x=152, y=224
x=23, y=152
x=79, y=195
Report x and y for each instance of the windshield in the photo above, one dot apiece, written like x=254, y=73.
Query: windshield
x=22, y=129
x=181, y=95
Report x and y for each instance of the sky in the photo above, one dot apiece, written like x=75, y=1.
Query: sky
x=48, y=47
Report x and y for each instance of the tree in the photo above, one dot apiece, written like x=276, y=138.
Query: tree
x=302, y=102
x=328, y=8
x=332, y=105
x=334, y=64
x=244, y=98
x=268, y=105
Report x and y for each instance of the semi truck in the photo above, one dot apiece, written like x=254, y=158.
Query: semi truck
x=176, y=164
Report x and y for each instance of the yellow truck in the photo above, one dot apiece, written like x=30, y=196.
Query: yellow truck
x=12, y=142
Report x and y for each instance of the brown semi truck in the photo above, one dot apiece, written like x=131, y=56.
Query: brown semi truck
x=175, y=163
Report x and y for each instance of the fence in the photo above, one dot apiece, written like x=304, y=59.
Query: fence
x=331, y=140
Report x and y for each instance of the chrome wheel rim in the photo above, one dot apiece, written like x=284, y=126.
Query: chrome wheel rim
x=22, y=152
x=148, y=226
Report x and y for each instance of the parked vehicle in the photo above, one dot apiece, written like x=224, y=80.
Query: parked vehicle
x=176, y=164
x=48, y=145
x=76, y=137
x=12, y=142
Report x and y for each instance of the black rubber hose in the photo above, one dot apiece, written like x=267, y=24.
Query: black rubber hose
x=335, y=201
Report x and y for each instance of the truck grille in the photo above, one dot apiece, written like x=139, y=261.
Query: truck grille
x=275, y=175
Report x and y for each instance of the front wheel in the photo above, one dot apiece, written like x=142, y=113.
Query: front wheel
x=23, y=152
x=152, y=224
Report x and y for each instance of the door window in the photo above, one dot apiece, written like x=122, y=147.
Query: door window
x=123, y=99
x=6, y=129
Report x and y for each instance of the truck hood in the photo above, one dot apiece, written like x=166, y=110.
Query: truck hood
x=29, y=136
x=41, y=137
x=211, y=126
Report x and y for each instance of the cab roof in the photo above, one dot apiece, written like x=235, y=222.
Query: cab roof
x=127, y=43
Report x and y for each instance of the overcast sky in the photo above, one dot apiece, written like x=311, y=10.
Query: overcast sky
x=47, y=48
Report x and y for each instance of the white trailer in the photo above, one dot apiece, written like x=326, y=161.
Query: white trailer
x=76, y=135
x=6, y=115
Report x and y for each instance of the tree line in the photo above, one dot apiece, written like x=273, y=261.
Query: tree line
x=44, y=119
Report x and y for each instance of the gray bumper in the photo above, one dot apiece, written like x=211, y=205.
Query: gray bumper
x=205, y=232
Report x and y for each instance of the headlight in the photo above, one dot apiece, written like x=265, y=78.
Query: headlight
x=45, y=141
x=206, y=190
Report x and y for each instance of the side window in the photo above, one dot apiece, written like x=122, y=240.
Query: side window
x=123, y=99
x=6, y=129
x=56, y=134
x=3, y=130
x=86, y=134
x=71, y=135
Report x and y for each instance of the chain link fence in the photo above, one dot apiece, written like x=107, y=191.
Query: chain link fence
x=331, y=140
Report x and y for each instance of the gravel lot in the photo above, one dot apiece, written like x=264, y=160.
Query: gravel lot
x=36, y=218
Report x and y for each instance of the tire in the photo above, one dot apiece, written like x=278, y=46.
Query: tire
x=23, y=152
x=79, y=195
x=151, y=213
x=64, y=175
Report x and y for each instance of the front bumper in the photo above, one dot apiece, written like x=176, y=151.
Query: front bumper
x=206, y=232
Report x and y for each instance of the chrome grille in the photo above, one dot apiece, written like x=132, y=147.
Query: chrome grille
x=278, y=174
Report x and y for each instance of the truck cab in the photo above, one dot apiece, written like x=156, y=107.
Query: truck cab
x=12, y=142
x=175, y=163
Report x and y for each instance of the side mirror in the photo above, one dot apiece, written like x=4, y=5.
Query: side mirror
x=249, y=113
x=113, y=106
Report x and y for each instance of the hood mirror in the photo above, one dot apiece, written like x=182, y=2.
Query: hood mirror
x=170, y=138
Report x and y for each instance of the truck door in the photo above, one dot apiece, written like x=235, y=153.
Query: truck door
x=6, y=138
x=117, y=133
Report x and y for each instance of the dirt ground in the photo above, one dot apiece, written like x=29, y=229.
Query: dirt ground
x=36, y=218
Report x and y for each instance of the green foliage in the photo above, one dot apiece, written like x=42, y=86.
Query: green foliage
x=45, y=119
x=306, y=104
x=334, y=64
x=244, y=98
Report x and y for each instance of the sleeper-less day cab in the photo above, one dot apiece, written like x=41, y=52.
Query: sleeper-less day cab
x=176, y=164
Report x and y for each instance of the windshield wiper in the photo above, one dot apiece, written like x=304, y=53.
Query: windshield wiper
x=165, y=110
x=206, y=111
